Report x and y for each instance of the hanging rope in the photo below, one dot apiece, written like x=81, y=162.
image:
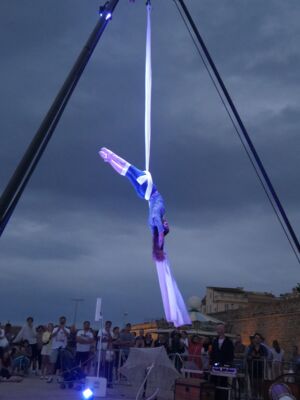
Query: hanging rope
x=259, y=169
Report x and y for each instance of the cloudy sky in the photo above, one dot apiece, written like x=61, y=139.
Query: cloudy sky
x=79, y=230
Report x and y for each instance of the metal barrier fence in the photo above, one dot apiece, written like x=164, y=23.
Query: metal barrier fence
x=249, y=382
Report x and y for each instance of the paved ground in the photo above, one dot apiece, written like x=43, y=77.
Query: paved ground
x=32, y=388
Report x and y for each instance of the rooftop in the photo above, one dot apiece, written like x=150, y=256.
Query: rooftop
x=227, y=290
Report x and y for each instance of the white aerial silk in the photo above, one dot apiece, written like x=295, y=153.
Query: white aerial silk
x=174, y=306
x=148, y=89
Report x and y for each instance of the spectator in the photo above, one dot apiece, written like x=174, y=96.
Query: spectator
x=162, y=341
x=21, y=356
x=185, y=341
x=8, y=332
x=177, y=348
x=28, y=333
x=106, y=335
x=46, y=351
x=3, y=342
x=148, y=340
x=257, y=356
x=84, y=339
x=5, y=365
x=222, y=348
x=239, y=353
x=277, y=360
x=59, y=339
x=6, y=369
x=140, y=339
x=72, y=339
x=194, y=351
x=126, y=341
x=295, y=359
x=116, y=348
x=222, y=353
x=205, y=353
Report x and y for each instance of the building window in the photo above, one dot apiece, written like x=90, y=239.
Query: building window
x=226, y=307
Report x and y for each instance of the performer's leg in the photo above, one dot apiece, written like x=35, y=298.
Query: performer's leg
x=126, y=169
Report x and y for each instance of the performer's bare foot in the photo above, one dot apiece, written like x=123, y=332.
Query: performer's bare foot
x=106, y=154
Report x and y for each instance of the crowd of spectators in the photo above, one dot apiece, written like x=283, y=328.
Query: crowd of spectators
x=37, y=350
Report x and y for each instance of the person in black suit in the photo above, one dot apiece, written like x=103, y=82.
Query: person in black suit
x=222, y=348
x=222, y=353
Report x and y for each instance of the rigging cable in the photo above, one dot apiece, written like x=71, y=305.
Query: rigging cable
x=293, y=239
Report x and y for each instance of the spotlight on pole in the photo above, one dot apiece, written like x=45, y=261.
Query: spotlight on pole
x=87, y=394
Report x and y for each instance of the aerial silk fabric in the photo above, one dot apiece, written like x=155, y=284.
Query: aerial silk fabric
x=148, y=90
x=174, y=306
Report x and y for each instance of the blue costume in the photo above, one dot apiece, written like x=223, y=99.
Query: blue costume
x=140, y=185
x=142, y=182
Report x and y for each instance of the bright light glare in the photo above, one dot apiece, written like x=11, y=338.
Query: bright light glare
x=87, y=393
x=108, y=16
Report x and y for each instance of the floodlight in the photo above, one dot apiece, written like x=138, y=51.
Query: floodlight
x=87, y=394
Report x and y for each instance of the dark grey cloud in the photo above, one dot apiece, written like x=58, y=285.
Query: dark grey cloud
x=79, y=230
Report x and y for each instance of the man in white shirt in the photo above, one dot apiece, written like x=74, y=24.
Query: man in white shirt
x=105, y=335
x=59, y=339
x=28, y=332
x=84, y=340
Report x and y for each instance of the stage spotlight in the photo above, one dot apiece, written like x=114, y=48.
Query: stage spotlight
x=87, y=394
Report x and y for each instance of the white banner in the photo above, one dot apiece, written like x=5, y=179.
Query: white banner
x=98, y=314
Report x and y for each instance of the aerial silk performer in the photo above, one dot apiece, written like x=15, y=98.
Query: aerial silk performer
x=174, y=306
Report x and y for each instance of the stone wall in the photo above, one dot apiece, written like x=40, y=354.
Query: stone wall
x=279, y=320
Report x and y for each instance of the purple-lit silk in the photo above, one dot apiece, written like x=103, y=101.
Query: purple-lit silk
x=174, y=306
x=175, y=309
x=148, y=90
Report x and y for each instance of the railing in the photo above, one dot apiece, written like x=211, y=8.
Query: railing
x=251, y=380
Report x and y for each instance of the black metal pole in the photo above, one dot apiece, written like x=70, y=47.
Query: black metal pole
x=26, y=167
x=242, y=127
